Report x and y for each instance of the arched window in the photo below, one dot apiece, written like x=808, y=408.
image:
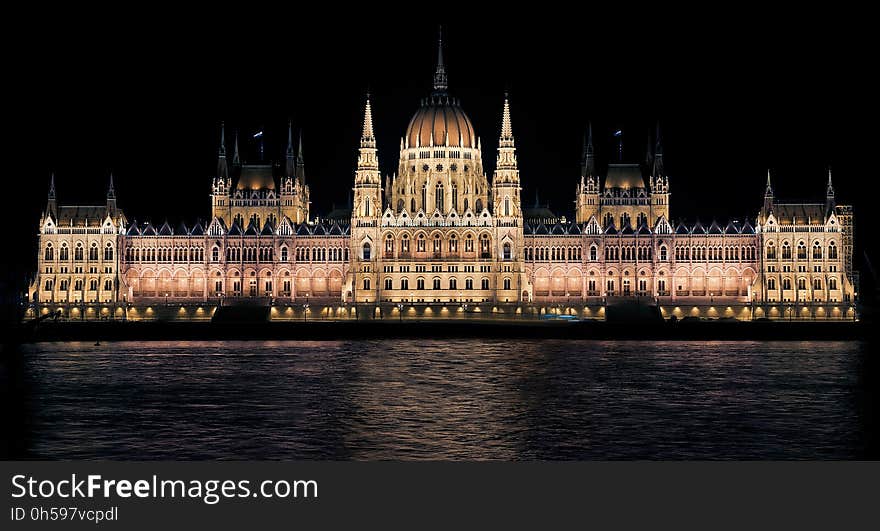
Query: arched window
x=50, y=252
x=283, y=253
x=484, y=246
x=506, y=206
x=594, y=251
x=786, y=283
x=663, y=253
x=771, y=251
x=437, y=246
x=366, y=284
x=389, y=284
x=438, y=197
x=478, y=205
x=367, y=209
x=389, y=245
x=506, y=251
x=453, y=243
x=786, y=251
x=412, y=204
x=453, y=283
x=108, y=285
x=93, y=252
x=436, y=283
x=78, y=252
x=484, y=283
x=108, y=252
x=215, y=254
x=366, y=253
x=817, y=251
x=832, y=251
x=424, y=197
x=801, y=251
x=454, y=197
x=506, y=283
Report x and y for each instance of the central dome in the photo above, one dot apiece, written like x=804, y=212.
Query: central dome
x=438, y=117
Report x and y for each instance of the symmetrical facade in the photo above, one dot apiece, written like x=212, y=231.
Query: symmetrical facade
x=439, y=233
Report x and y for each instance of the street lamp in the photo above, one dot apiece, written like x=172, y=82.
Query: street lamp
x=400, y=311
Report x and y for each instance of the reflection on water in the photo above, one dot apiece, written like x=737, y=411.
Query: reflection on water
x=441, y=399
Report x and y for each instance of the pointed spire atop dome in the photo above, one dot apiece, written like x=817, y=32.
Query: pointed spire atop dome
x=111, y=192
x=441, y=83
x=588, y=164
x=52, y=186
x=768, y=191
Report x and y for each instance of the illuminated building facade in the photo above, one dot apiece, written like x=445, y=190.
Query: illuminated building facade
x=440, y=234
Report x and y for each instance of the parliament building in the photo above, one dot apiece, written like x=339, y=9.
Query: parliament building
x=442, y=238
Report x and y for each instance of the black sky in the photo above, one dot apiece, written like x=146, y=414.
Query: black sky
x=736, y=94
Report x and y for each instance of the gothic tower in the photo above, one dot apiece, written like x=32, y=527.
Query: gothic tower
x=365, y=215
x=505, y=181
x=222, y=182
x=659, y=183
x=587, y=204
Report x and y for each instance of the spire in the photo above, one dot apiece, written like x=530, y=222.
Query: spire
x=111, y=197
x=222, y=168
x=300, y=164
x=290, y=168
x=236, y=159
x=367, y=137
x=829, y=193
x=441, y=83
x=658, y=154
x=51, y=204
x=768, y=191
x=588, y=165
x=506, y=139
x=111, y=192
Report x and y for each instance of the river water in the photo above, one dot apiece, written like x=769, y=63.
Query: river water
x=441, y=399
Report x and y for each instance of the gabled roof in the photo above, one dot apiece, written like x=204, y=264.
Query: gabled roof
x=731, y=228
x=574, y=229
x=610, y=229
x=251, y=229
x=714, y=228
x=627, y=229
x=541, y=229
x=747, y=228
x=165, y=230
x=148, y=230
x=643, y=229
x=557, y=229
x=682, y=229
x=335, y=229
x=303, y=230
x=698, y=228
x=319, y=229
x=197, y=229
x=181, y=229
x=235, y=229
x=799, y=213
x=267, y=229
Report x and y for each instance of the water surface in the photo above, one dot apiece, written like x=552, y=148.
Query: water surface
x=441, y=399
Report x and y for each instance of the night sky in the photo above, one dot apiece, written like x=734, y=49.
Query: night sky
x=734, y=97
